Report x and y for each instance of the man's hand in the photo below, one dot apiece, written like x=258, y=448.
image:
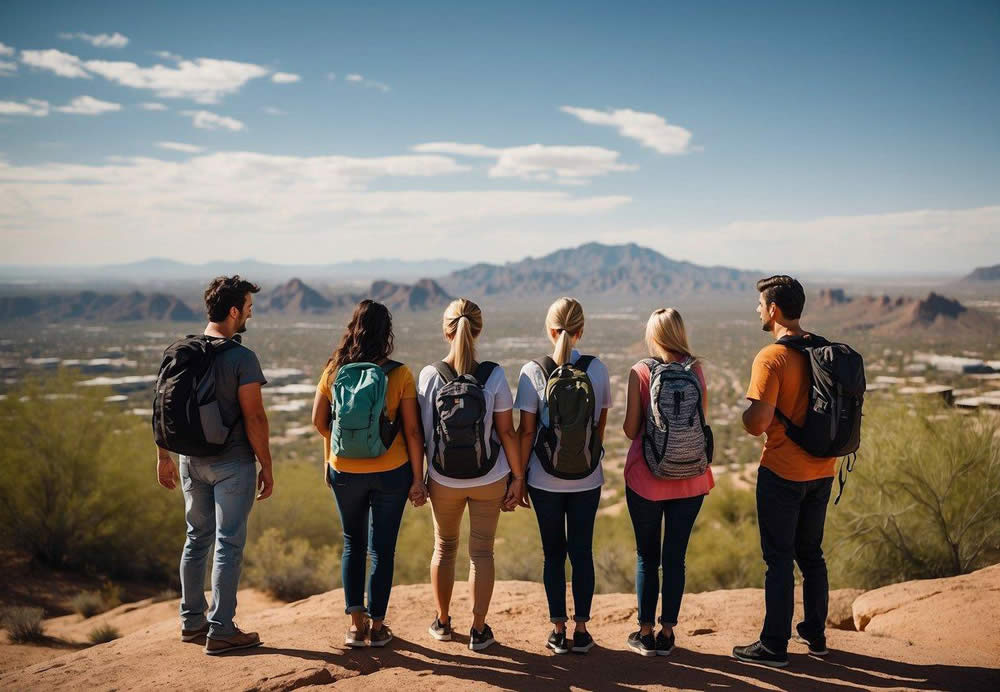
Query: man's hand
x=265, y=483
x=515, y=494
x=166, y=472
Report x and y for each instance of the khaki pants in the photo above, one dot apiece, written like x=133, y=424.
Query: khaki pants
x=448, y=506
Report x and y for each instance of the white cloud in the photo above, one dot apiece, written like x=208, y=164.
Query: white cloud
x=204, y=80
x=86, y=105
x=114, y=40
x=285, y=78
x=180, y=146
x=281, y=205
x=206, y=120
x=362, y=81
x=62, y=64
x=6, y=50
x=32, y=107
x=7, y=68
x=271, y=110
x=167, y=55
x=152, y=106
x=649, y=129
x=572, y=165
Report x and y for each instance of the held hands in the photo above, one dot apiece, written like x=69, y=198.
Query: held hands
x=166, y=472
x=418, y=493
x=516, y=493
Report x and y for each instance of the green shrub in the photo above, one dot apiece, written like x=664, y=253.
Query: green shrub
x=24, y=625
x=923, y=501
x=103, y=634
x=88, y=603
x=290, y=568
x=724, y=548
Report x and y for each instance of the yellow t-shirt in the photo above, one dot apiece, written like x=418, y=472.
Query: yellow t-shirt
x=400, y=386
x=780, y=377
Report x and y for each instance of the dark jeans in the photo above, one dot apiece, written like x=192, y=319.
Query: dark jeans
x=647, y=518
x=371, y=508
x=791, y=515
x=566, y=524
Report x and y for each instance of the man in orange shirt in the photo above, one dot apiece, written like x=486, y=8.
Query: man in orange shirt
x=793, y=488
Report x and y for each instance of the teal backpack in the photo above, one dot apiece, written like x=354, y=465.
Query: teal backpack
x=359, y=427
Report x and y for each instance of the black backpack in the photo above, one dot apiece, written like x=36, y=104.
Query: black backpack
x=460, y=448
x=186, y=415
x=567, y=443
x=833, y=420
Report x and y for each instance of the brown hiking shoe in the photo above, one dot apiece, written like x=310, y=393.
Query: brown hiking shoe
x=237, y=640
x=194, y=635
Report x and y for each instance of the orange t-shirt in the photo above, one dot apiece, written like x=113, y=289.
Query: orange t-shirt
x=399, y=386
x=780, y=377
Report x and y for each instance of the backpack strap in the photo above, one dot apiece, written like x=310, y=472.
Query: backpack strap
x=483, y=371
x=389, y=366
x=583, y=362
x=547, y=365
x=445, y=371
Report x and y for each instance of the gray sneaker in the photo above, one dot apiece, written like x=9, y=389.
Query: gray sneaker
x=440, y=630
x=381, y=636
x=357, y=637
x=480, y=640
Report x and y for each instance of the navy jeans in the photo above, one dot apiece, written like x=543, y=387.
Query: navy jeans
x=647, y=518
x=371, y=509
x=791, y=516
x=566, y=524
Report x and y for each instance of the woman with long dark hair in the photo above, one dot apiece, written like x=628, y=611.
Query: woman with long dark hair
x=366, y=411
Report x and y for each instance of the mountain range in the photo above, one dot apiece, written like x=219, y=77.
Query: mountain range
x=296, y=297
x=97, y=307
x=905, y=315
x=984, y=274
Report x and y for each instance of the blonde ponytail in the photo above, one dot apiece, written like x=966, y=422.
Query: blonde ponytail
x=665, y=334
x=462, y=324
x=565, y=316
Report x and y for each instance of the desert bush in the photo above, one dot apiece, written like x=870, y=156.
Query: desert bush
x=24, y=625
x=724, y=549
x=165, y=595
x=923, y=501
x=103, y=634
x=290, y=568
x=88, y=603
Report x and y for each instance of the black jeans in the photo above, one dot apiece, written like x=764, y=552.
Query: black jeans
x=647, y=519
x=791, y=516
x=566, y=524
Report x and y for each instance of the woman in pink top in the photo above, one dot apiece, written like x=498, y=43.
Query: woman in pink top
x=651, y=499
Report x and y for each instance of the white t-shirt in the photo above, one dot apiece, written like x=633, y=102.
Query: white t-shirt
x=530, y=383
x=498, y=400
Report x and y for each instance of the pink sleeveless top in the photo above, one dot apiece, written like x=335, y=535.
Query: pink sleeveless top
x=640, y=479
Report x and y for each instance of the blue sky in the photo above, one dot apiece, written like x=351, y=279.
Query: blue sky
x=854, y=136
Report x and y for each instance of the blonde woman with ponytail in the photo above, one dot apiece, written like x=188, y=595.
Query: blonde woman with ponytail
x=473, y=461
x=657, y=504
x=565, y=507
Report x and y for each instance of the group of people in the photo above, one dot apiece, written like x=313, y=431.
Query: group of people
x=378, y=425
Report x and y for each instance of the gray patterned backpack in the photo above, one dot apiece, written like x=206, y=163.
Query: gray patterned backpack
x=676, y=442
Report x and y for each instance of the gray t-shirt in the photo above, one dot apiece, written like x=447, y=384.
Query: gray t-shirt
x=234, y=368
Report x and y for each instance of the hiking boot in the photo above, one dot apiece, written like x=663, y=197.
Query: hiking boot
x=440, y=631
x=758, y=653
x=642, y=644
x=817, y=645
x=557, y=642
x=480, y=640
x=357, y=637
x=195, y=634
x=664, y=644
x=237, y=640
x=582, y=642
x=381, y=636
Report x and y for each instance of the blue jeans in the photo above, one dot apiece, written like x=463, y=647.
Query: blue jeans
x=217, y=502
x=791, y=515
x=371, y=509
x=566, y=524
x=647, y=519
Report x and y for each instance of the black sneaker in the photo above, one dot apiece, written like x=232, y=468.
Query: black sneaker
x=480, y=640
x=440, y=631
x=758, y=653
x=642, y=644
x=817, y=646
x=664, y=644
x=557, y=642
x=380, y=636
x=582, y=642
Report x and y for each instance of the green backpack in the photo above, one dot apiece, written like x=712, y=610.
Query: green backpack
x=567, y=443
x=359, y=427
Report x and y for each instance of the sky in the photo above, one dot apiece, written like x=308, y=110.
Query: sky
x=788, y=136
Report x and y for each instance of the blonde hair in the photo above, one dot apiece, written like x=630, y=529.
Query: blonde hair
x=462, y=323
x=665, y=332
x=565, y=316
